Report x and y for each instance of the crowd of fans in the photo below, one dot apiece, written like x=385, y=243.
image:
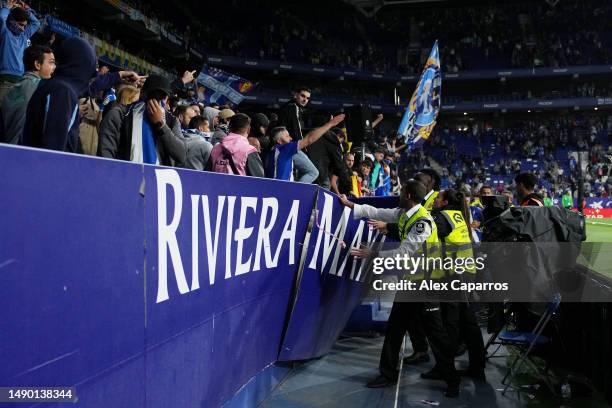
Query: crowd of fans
x=520, y=34
x=127, y=116
x=552, y=90
x=81, y=108
x=551, y=145
x=398, y=40
x=300, y=35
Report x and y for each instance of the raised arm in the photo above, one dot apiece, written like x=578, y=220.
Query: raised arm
x=4, y=13
x=389, y=215
x=316, y=134
x=378, y=119
x=33, y=25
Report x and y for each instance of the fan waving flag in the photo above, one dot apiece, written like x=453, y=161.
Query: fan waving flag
x=420, y=117
x=222, y=87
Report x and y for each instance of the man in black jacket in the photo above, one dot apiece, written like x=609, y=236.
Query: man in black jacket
x=525, y=189
x=291, y=115
x=326, y=154
x=144, y=132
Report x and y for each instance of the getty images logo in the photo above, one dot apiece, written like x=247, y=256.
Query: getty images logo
x=256, y=215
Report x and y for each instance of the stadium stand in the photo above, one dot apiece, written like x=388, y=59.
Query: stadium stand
x=268, y=89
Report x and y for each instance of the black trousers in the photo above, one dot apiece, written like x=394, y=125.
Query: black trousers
x=461, y=325
x=416, y=332
x=428, y=315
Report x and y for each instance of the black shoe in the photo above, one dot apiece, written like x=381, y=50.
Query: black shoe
x=380, y=382
x=417, y=357
x=432, y=375
x=452, y=390
x=474, y=374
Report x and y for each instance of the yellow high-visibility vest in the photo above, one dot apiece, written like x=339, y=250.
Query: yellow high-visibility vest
x=457, y=244
x=430, y=201
x=431, y=246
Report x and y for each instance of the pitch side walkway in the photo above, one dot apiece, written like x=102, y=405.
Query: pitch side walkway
x=337, y=380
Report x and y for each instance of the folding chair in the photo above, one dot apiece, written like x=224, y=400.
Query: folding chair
x=526, y=342
x=493, y=338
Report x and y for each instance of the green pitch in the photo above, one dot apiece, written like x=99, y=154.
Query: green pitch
x=599, y=230
x=599, y=233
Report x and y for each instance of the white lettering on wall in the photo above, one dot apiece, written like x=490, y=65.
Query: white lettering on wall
x=355, y=243
x=263, y=237
x=289, y=231
x=231, y=200
x=212, y=245
x=324, y=229
x=195, y=246
x=243, y=232
x=166, y=233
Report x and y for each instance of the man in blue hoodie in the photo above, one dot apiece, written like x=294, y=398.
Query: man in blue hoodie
x=40, y=64
x=52, y=118
x=16, y=27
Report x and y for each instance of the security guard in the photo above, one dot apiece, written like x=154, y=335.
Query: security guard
x=431, y=180
x=418, y=233
x=450, y=212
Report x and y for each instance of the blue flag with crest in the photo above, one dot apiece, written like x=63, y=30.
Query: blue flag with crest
x=422, y=112
x=222, y=87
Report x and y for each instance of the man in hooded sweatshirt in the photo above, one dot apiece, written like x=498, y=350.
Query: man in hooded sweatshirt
x=212, y=115
x=52, y=116
x=17, y=26
x=146, y=131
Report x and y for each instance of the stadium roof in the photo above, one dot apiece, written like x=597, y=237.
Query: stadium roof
x=370, y=7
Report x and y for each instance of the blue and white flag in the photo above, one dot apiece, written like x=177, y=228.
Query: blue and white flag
x=222, y=87
x=420, y=117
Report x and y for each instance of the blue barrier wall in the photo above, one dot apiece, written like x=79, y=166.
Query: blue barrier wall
x=332, y=282
x=146, y=286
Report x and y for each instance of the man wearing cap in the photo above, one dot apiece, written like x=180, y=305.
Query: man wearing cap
x=222, y=128
x=259, y=130
x=145, y=132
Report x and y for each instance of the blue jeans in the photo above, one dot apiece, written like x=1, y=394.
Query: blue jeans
x=307, y=172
